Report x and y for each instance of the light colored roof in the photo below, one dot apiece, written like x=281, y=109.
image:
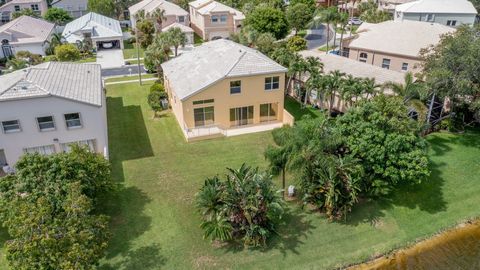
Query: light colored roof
x=77, y=82
x=83, y=2
x=399, y=37
x=100, y=26
x=357, y=69
x=438, y=6
x=16, y=2
x=150, y=6
x=184, y=28
x=212, y=62
x=26, y=29
x=207, y=7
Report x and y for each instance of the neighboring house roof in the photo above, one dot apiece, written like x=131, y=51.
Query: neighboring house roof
x=213, y=61
x=355, y=68
x=98, y=25
x=184, y=28
x=77, y=82
x=25, y=29
x=405, y=38
x=85, y=2
x=438, y=6
x=207, y=7
x=17, y=2
x=151, y=5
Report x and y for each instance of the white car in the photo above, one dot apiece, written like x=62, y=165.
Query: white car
x=107, y=45
x=355, y=21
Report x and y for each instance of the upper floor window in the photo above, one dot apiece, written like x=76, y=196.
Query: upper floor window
x=214, y=19
x=181, y=19
x=46, y=123
x=34, y=7
x=73, y=120
x=11, y=126
x=405, y=66
x=430, y=17
x=363, y=57
x=17, y=8
x=451, y=22
x=386, y=63
x=206, y=101
x=235, y=87
x=223, y=18
x=5, y=17
x=272, y=83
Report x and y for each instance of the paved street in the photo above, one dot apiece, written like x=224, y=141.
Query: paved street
x=316, y=37
x=125, y=70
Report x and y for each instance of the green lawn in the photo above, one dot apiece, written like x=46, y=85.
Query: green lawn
x=155, y=225
x=130, y=51
x=129, y=78
x=197, y=40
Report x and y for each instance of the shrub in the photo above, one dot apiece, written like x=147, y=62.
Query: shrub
x=67, y=52
x=157, y=87
x=296, y=44
x=33, y=59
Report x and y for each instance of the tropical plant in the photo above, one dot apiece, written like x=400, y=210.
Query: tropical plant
x=104, y=7
x=25, y=12
x=155, y=99
x=145, y=31
x=158, y=53
x=67, y=52
x=32, y=59
x=56, y=40
x=333, y=84
x=370, y=13
x=243, y=207
x=325, y=15
x=177, y=38
x=158, y=16
x=296, y=44
x=57, y=15
x=16, y=63
x=265, y=43
x=279, y=154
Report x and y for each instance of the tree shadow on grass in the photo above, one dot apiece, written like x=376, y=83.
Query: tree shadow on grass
x=296, y=110
x=294, y=227
x=144, y=258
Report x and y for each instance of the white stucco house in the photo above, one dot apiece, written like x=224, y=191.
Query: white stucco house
x=25, y=34
x=48, y=107
x=76, y=8
x=105, y=32
x=173, y=12
x=447, y=12
x=39, y=7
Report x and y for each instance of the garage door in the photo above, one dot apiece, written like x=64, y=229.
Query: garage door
x=107, y=45
x=219, y=35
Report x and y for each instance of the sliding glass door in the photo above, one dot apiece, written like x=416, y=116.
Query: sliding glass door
x=268, y=112
x=204, y=116
x=241, y=116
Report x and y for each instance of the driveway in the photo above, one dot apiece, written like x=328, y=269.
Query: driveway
x=110, y=58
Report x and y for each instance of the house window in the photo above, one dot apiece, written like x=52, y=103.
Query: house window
x=34, y=7
x=268, y=112
x=241, y=116
x=405, y=66
x=17, y=8
x=235, y=87
x=11, y=126
x=46, y=123
x=206, y=101
x=363, y=57
x=451, y=23
x=42, y=150
x=223, y=18
x=5, y=17
x=181, y=19
x=386, y=63
x=204, y=116
x=430, y=18
x=346, y=52
x=73, y=120
x=214, y=19
x=90, y=144
x=272, y=83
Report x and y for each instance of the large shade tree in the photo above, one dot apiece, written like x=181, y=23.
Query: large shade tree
x=266, y=19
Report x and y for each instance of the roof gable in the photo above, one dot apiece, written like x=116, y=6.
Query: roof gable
x=99, y=25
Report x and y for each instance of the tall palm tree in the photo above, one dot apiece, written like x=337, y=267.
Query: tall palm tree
x=278, y=156
x=370, y=87
x=56, y=40
x=158, y=52
x=333, y=84
x=298, y=66
x=177, y=38
x=343, y=21
x=314, y=68
x=158, y=15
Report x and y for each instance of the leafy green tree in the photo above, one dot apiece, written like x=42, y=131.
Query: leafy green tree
x=243, y=207
x=298, y=16
x=310, y=4
x=155, y=101
x=177, y=38
x=58, y=16
x=265, y=43
x=387, y=142
x=158, y=53
x=67, y=52
x=268, y=20
x=25, y=12
x=145, y=33
x=104, y=7
x=370, y=13
x=296, y=44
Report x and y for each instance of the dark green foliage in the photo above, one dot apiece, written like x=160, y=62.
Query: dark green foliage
x=157, y=87
x=58, y=16
x=104, y=7
x=67, y=53
x=32, y=59
x=387, y=142
x=244, y=207
x=296, y=44
x=145, y=32
x=268, y=20
x=298, y=16
x=25, y=12
x=155, y=100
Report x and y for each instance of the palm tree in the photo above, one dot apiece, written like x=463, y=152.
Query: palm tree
x=56, y=40
x=158, y=15
x=298, y=66
x=177, y=38
x=278, y=156
x=370, y=87
x=325, y=15
x=411, y=91
x=343, y=21
x=333, y=84
x=157, y=53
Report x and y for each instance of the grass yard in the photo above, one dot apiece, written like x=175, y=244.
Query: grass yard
x=130, y=51
x=129, y=78
x=155, y=224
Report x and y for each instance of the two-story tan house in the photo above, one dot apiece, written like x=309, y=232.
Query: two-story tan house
x=6, y=11
x=393, y=45
x=173, y=12
x=213, y=20
x=222, y=88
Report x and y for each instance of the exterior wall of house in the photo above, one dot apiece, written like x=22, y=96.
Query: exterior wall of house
x=10, y=8
x=35, y=48
x=376, y=58
x=94, y=125
x=253, y=93
x=76, y=8
x=175, y=103
x=197, y=22
x=440, y=18
x=204, y=27
x=169, y=20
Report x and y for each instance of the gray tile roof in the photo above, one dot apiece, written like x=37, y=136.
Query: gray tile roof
x=77, y=82
x=438, y=6
x=100, y=26
x=213, y=61
x=150, y=5
x=25, y=29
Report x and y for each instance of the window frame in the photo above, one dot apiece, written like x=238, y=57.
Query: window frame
x=405, y=66
x=217, y=19
x=451, y=22
x=35, y=7
x=223, y=16
x=46, y=129
x=181, y=19
x=385, y=66
x=17, y=8
x=19, y=129
x=73, y=127
x=239, y=87
x=361, y=58
x=270, y=85
x=430, y=17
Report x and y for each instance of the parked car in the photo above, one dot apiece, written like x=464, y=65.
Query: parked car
x=355, y=21
x=107, y=45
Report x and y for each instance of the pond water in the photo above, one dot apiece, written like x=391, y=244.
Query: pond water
x=455, y=249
